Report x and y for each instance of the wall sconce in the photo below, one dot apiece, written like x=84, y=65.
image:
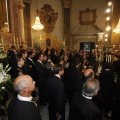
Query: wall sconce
x=108, y=10
x=107, y=18
x=106, y=39
x=106, y=35
x=96, y=46
x=108, y=28
x=109, y=3
x=114, y=46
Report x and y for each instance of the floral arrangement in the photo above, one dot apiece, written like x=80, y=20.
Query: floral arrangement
x=3, y=54
x=3, y=58
x=6, y=87
x=37, y=46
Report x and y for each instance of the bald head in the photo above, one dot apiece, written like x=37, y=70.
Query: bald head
x=88, y=73
x=21, y=78
x=22, y=82
x=91, y=87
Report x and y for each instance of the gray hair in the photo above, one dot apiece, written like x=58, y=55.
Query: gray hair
x=90, y=87
x=19, y=87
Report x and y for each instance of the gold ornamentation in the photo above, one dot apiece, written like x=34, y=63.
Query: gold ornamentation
x=21, y=6
x=15, y=16
x=50, y=42
x=67, y=3
x=6, y=36
x=3, y=14
x=48, y=18
x=28, y=1
x=87, y=17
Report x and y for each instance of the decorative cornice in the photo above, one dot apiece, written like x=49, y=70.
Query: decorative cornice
x=28, y=1
x=67, y=3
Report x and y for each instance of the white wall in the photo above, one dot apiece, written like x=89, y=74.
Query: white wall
x=76, y=6
x=91, y=4
x=57, y=6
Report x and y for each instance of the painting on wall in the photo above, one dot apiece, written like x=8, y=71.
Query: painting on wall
x=87, y=46
x=87, y=17
x=48, y=18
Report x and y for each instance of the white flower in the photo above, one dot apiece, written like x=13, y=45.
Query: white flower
x=1, y=66
x=8, y=69
x=7, y=66
x=3, y=88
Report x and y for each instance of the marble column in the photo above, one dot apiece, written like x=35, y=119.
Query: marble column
x=66, y=15
x=21, y=24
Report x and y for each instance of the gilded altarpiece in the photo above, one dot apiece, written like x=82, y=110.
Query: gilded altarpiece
x=7, y=23
x=50, y=42
x=48, y=18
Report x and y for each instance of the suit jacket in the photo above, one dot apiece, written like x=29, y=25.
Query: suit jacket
x=56, y=98
x=40, y=73
x=84, y=109
x=23, y=110
x=31, y=68
x=25, y=67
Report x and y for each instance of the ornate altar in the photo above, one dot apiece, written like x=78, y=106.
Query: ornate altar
x=50, y=42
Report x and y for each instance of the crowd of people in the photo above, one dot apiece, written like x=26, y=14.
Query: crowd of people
x=64, y=76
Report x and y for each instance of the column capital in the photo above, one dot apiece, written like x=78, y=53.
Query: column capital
x=21, y=6
x=67, y=3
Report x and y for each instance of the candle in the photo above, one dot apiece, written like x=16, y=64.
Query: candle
x=32, y=42
x=110, y=58
x=106, y=57
x=100, y=56
x=17, y=44
x=2, y=39
x=2, y=42
x=20, y=41
x=14, y=40
x=40, y=37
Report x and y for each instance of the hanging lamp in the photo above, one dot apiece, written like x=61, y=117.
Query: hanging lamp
x=117, y=29
x=37, y=25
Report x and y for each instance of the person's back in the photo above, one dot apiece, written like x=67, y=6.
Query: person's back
x=82, y=106
x=55, y=93
x=23, y=110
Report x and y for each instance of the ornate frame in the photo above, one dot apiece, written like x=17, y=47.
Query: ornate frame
x=87, y=17
x=48, y=18
x=53, y=42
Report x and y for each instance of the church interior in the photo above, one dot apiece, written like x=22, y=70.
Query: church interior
x=63, y=24
x=86, y=30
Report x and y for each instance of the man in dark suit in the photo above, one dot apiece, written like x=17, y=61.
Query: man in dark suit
x=82, y=106
x=88, y=73
x=56, y=98
x=25, y=68
x=31, y=64
x=22, y=107
x=12, y=61
x=41, y=78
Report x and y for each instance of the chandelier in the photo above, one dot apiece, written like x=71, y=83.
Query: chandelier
x=37, y=25
x=117, y=29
